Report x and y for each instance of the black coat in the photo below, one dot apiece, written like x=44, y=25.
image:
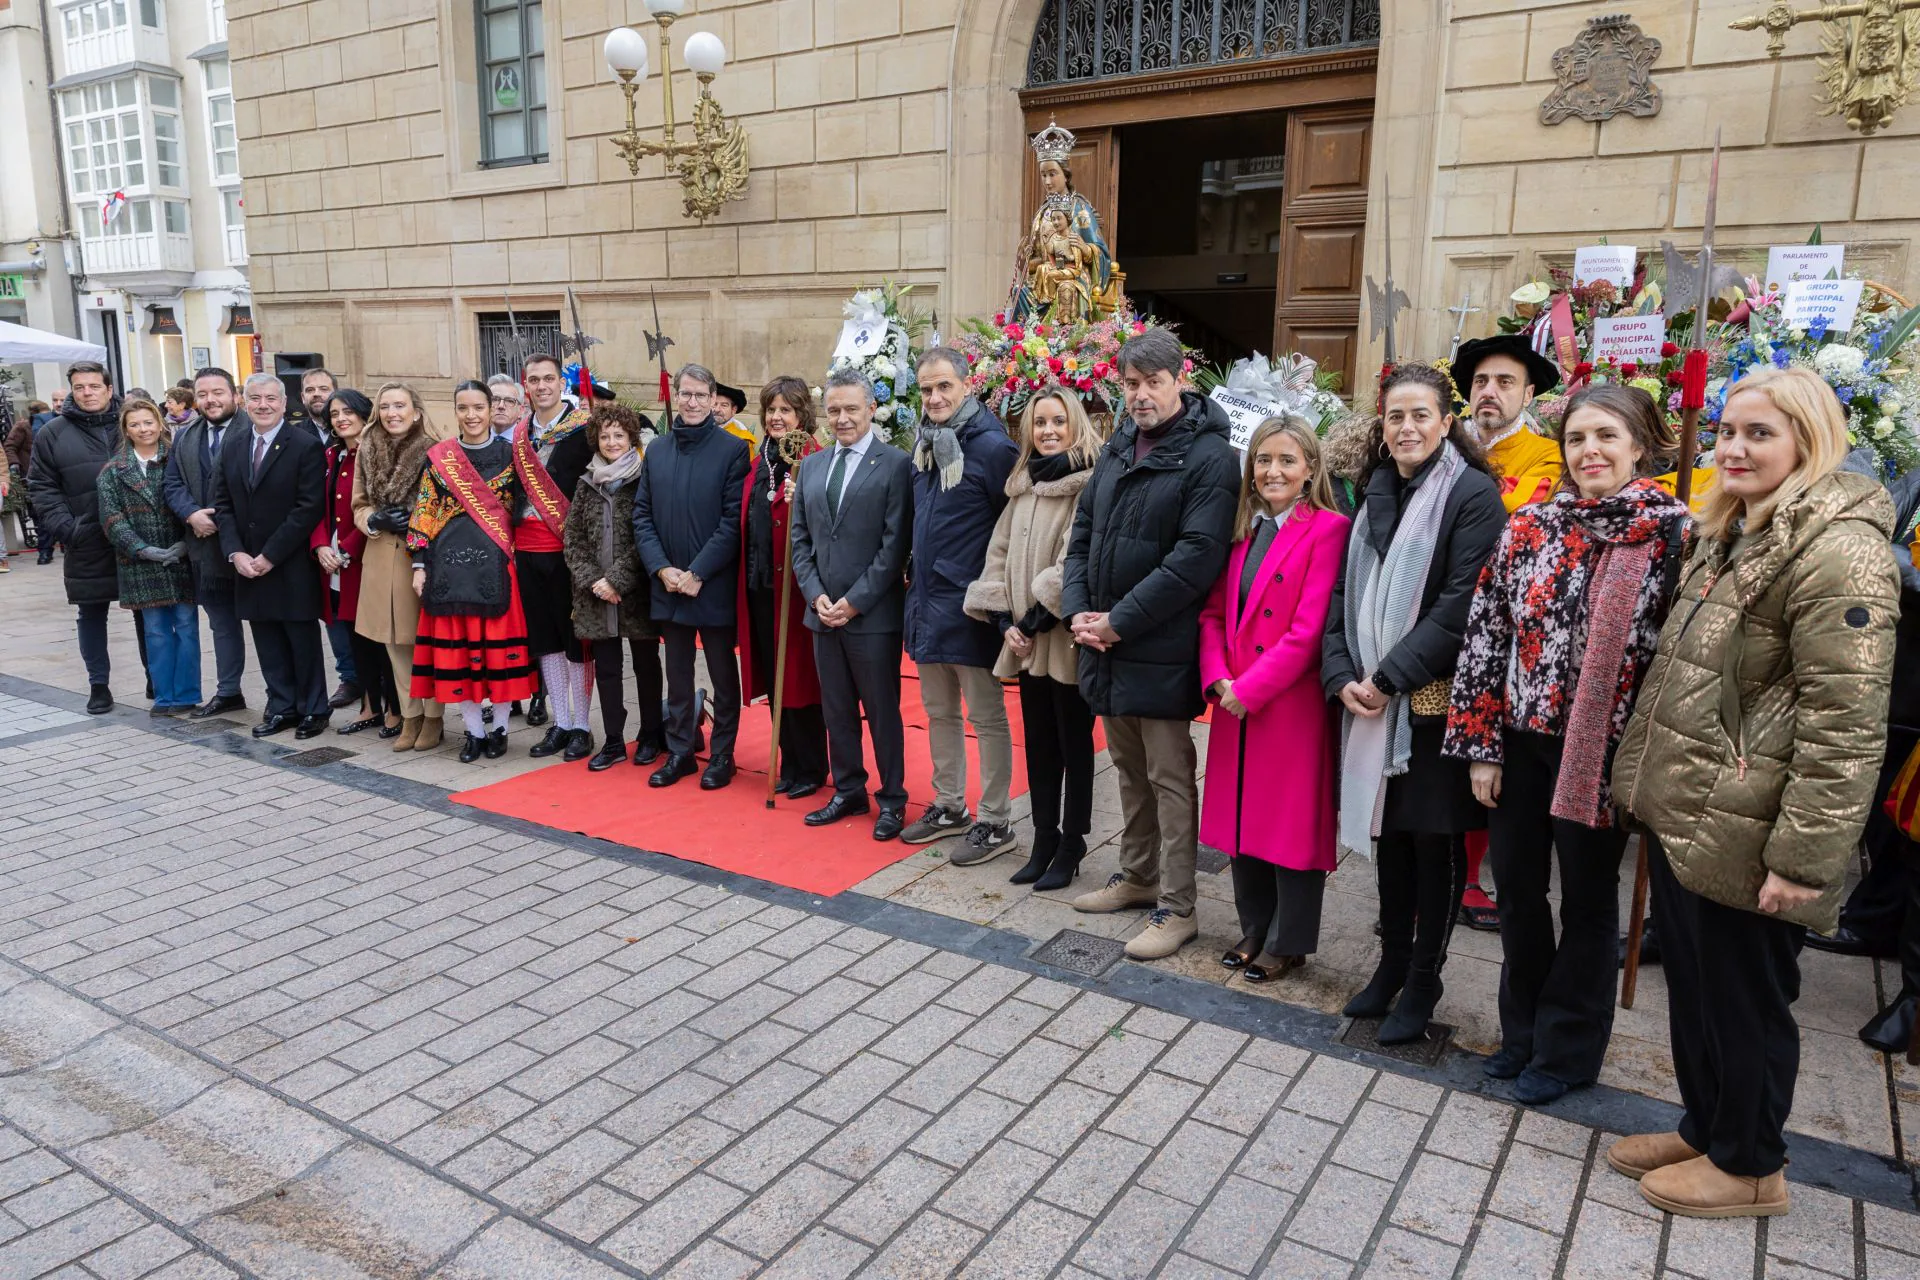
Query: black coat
x=62, y=483
x=1470, y=526
x=951, y=530
x=1149, y=540
x=686, y=515
x=188, y=488
x=274, y=518
x=1903, y=704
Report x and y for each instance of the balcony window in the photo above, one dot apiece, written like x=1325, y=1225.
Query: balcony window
x=105, y=150
x=233, y=217
x=217, y=18
x=222, y=140
x=102, y=32
x=511, y=45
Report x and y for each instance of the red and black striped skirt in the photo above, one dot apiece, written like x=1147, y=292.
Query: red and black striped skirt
x=461, y=658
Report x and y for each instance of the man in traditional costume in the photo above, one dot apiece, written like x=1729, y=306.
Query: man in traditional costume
x=728, y=404
x=556, y=427
x=1499, y=377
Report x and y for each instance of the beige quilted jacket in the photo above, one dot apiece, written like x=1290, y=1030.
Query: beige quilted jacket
x=1023, y=567
x=1760, y=727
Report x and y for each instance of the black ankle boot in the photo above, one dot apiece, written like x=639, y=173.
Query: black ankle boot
x=1066, y=863
x=471, y=749
x=1045, y=845
x=1375, y=999
x=1414, y=1009
x=1891, y=1029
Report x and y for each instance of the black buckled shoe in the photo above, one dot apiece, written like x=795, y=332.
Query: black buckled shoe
x=718, y=774
x=676, y=768
x=889, y=824
x=552, y=744
x=496, y=744
x=472, y=749
x=579, y=745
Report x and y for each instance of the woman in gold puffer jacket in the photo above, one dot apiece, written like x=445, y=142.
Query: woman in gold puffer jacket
x=1748, y=767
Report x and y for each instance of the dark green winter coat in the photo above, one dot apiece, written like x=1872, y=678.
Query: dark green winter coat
x=135, y=515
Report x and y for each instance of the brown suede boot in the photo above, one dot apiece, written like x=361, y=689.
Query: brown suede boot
x=1696, y=1188
x=1644, y=1152
x=432, y=725
x=409, y=733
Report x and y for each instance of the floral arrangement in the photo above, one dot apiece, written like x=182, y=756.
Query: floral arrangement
x=890, y=365
x=1292, y=383
x=1873, y=368
x=1012, y=360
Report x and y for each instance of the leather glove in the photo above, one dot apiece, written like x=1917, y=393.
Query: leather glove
x=392, y=519
x=176, y=553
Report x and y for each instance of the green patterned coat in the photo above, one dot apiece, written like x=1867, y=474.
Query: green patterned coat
x=135, y=514
x=1760, y=727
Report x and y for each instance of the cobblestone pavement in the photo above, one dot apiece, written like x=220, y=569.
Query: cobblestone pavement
x=270, y=1021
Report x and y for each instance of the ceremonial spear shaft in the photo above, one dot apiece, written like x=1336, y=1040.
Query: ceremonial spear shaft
x=1693, y=401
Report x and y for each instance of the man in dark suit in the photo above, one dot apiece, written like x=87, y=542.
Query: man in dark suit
x=267, y=498
x=192, y=465
x=852, y=527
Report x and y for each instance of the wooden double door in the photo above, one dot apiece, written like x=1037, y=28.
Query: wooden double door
x=1322, y=231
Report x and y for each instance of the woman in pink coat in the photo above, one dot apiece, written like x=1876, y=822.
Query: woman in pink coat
x=1260, y=662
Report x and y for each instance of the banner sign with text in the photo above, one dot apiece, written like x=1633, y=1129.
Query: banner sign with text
x=1629, y=339
x=1789, y=262
x=1612, y=262
x=1834, y=301
x=1243, y=413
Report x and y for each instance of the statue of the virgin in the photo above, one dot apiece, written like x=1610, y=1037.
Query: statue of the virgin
x=1066, y=272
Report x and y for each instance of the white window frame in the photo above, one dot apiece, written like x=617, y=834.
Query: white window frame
x=104, y=17
x=109, y=158
x=214, y=96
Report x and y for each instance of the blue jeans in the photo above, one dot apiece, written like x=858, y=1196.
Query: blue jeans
x=173, y=654
x=229, y=642
x=340, y=636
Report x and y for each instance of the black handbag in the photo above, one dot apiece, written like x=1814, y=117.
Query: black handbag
x=467, y=574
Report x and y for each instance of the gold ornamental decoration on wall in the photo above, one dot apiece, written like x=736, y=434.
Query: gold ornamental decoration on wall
x=713, y=166
x=1870, y=58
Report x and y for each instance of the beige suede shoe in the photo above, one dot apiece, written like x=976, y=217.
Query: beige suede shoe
x=1698, y=1189
x=409, y=734
x=1644, y=1152
x=1118, y=895
x=432, y=726
x=1163, y=934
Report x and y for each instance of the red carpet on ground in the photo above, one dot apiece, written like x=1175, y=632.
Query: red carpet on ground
x=732, y=828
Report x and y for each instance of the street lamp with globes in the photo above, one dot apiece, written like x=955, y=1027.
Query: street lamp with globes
x=713, y=166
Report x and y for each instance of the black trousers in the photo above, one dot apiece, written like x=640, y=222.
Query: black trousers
x=803, y=730
x=1058, y=725
x=1877, y=907
x=610, y=680
x=722, y=670
x=1422, y=875
x=1732, y=978
x=376, y=676
x=861, y=671
x=1556, y=999
x=293, y=663
x=1279, y=907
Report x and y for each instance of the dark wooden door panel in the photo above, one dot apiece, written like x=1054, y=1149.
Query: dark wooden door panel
x=1322, y=262
x=1323, y=231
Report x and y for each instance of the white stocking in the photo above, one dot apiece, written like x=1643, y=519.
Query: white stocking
x=582, y=673
x=470, y=717
x=553, y=673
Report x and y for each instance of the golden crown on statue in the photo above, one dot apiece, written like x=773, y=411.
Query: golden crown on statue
x=1053, y=143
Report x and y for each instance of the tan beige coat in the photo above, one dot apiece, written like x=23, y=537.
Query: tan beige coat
x=1023, y=567
x=389, y=611
x=1760, y=727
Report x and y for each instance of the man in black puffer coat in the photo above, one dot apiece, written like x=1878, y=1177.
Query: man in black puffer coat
x=68, y=456
x=1150, y=537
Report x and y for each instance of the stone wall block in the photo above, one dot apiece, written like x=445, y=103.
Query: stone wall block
x=1758, y=189
x=816, y=191
x=903, y=184
x=1494, y=126
x=857, y=130
x=807, y=79
x=854, y=21
x=1488, y=51
x=703, y=252
x=1731, y=99
x=868, y=246
x=777, y=249
x=1578, y=196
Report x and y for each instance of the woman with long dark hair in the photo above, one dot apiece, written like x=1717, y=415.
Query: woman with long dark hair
x=340, y=546
x=1018, y=591
x=386, y=480
x=1260, y=666
x=786, y=414
x=472, y=644
x=1748, y=764
x=1428, y=517
x=1563, y=625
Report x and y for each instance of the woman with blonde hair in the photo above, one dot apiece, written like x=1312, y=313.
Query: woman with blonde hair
x=1748, y=765
x=150, y=547
x=1260, y=638
x=386, y=479
x=1018, y=591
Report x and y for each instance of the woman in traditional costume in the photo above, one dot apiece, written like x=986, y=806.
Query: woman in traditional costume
x=472, y=645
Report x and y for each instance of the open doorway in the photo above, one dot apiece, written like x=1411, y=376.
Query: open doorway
x=1201, y=203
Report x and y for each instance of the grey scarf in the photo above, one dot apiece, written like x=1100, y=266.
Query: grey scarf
x=939, y=444
x=611, y=475
x=1382, y=604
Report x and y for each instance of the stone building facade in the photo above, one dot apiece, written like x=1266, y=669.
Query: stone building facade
x=888, y=141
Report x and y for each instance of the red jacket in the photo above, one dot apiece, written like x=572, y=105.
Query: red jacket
x=339, y=515
x=802, y=685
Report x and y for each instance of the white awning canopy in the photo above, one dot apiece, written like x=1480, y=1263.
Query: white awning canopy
x=21, y=345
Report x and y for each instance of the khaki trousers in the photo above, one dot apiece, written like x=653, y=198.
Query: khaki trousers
x=1160, y=805
x=942, y=686
x=401, y=656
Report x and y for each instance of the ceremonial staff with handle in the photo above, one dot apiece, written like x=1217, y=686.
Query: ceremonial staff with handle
x=1693, y=400
x=792, y=447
